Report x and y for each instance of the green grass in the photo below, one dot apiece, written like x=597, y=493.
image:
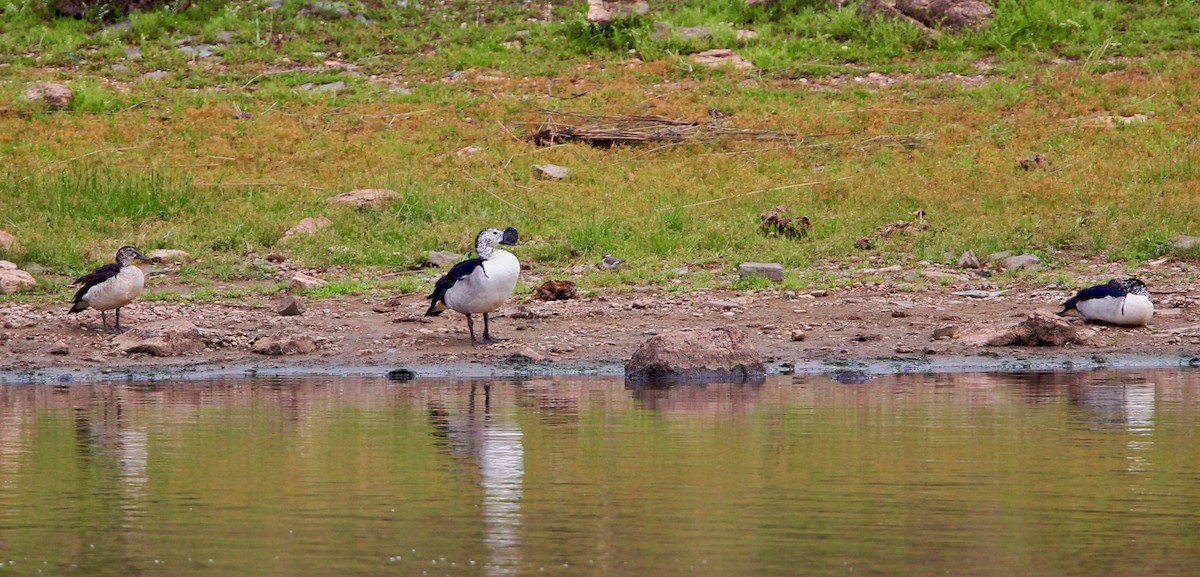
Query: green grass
x=171, y=163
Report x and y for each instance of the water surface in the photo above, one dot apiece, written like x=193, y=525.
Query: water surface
x=1088, y=474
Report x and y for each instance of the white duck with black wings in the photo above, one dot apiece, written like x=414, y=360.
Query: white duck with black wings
x=111, y=286
x=1118, y=302
x=479, y=285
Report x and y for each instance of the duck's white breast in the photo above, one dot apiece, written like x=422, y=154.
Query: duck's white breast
x=1134, y=310
x=117, y=291
x=488, y=286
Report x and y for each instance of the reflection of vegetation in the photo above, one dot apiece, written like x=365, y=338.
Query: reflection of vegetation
x=915, y=473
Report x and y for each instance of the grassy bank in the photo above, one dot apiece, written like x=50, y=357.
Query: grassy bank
x=220, y=155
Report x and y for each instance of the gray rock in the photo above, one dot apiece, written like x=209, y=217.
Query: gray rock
x=200, y=51
x=718, y=57
x=979, y=294
x=224, y=37
x=551, y=171
x=770, y=270
x=681, y=271
x=291, y=306
x=910, y=276
x=721, y=304
x=444, y=258
x=133, y=53
x=55, y=96
x=331, y=87
x=663, y=31
x=604, y=12
x=155, y=75
x=301, y=282
x=999, y=256
x=401, y=90
x=168, y=254
x=798, y=335
x=938, y=275
x=161, y=338
x=723, y=354
x=1023, y=261
x=119, y=27
x=968, y=260
x=284, y=343
x=1185, y=243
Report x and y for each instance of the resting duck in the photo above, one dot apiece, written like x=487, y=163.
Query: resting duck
x=1120, y=302
x=111, y=286
x=479, y=285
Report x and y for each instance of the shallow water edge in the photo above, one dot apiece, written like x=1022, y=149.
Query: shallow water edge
x=888, y=366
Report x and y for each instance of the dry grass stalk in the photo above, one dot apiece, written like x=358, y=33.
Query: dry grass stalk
x=607, y=131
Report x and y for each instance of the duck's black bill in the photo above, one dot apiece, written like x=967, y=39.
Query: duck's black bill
x=510, y=236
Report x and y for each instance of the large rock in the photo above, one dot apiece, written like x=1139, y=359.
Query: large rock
x=13, y=279
x=770, y=270
x=161, y=338
x=1185, y=243
x=54, y=95
x=604, y=12
x=690, y=356
x=1038, y=329
x=169, y=255
x=551, y=171
x=363, y=196
x=718, y=57
x=303, y=282
x=929, y=16
x=8, y=242
x=948, y=14
x=1022, y=261
x=291, y=306
x=444, y=258
x=285, y=343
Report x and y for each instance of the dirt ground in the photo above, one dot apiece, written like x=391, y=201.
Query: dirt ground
x=871, y=325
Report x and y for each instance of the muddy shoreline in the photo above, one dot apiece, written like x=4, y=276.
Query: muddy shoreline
x=870, y=330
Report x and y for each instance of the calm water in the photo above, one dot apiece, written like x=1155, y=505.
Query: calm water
x=1088, y=474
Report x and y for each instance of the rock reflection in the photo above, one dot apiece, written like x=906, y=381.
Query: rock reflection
x=492, y=441
x=709, y=398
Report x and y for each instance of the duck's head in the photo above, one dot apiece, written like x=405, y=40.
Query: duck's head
x=490, y=237
x=1131, y=286
x=127, y=254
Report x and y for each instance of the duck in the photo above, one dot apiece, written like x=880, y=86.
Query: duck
x=479, y=285
x=111, y=286
x=610, y=262
x=1118, y=302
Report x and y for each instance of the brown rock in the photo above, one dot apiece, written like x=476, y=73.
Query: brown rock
x=284, y=343
x=551, y=171
x=722, y=353
x=161, y=338
x=8, y=242
x=54, y=95
x=301, y=281
x=13, y=279
x=308, y=226
x=363, y=196
x=1038, y=329
x=291, y=306
x=718, y=57
x=59, y=348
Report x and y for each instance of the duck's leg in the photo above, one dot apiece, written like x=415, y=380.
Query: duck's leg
x=471, y=329
x=118, y=329
x=487, y=335
x=104, y=320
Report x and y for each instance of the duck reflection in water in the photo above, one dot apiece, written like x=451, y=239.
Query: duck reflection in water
x=491, y=442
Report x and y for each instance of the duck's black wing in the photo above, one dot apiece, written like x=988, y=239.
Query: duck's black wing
x=457, y=272
x=1096, y=292
x=90, y=280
